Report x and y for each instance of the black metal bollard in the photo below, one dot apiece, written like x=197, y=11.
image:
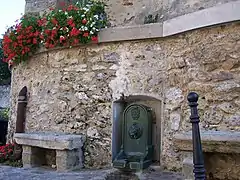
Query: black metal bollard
x=198, y=161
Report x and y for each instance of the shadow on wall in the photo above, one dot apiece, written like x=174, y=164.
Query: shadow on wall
x=4, y=109
x=222, y=166
x=3, y=125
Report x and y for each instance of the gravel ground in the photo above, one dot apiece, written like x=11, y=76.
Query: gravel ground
x=12, y=173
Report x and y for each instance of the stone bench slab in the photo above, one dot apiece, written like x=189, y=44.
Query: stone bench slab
x=212, y=141
x=55, y=141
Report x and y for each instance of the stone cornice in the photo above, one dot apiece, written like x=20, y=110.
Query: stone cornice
x=216, y=15
x=220, y=14
x=127, y=33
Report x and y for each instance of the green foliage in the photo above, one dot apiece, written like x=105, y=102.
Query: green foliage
x=4, y=113
x=13, y=163
x=5, y=74
x=151, y=19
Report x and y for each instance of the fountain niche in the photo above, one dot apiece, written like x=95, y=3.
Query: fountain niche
x=136, y=133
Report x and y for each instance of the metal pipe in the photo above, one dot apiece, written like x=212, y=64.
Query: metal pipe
x=117, y=112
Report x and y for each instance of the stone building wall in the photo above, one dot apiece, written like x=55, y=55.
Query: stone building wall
x=4, y=96
x=71, y=90
x=174, y=8
x=132, y=12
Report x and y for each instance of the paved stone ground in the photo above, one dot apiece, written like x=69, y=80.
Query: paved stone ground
x=11, y=173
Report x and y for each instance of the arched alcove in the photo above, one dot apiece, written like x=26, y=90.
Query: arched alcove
x=156, y=106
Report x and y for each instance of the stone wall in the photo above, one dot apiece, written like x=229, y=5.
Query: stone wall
x=4, y=96
x=71, y=90
x=130, y=12
x=174, y=8
x=68, y=92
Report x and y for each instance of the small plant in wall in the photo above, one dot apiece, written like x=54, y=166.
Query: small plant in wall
x=4, y=114
x=6, y=152
x=68, y=26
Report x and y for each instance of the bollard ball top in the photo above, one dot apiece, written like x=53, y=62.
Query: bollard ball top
x=192, y=97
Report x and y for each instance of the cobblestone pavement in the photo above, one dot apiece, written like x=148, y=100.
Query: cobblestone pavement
x=11, y=173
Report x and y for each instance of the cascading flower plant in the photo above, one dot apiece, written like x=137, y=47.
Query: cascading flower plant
x=73, y=25
x=68, y=26
x=21, y=40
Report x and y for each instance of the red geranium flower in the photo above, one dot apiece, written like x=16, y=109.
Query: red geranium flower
x=62, y=38
x=75, y=41
x=47, y=31
x=75, y=32
x=85, y=34
x=54, y=21
x=71, y=23
x=95, y=38
x=84, y=21
x=34, y=41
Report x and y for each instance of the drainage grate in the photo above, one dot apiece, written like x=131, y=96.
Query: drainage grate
x=121, y=176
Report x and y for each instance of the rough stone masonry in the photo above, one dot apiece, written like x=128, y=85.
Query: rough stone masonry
x=71, y=90
x=130, y=12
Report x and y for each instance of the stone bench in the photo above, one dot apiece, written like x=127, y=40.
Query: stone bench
x=212, y=142
x=68, y=149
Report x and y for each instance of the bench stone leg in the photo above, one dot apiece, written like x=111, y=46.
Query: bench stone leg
x=69, y=159
x=32, y=157
x=187, y=169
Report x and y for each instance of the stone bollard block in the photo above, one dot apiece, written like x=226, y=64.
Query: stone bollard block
x=187, y=168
